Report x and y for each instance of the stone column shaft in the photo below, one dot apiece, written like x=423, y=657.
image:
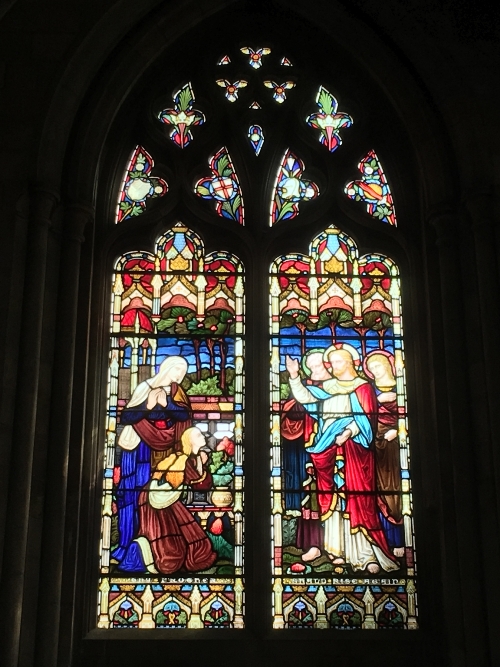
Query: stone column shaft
x=41, y=207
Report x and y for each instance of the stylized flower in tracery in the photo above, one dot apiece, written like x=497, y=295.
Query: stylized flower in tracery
x=255, y=60
x=231, y=88
x=279, y=89
x=182, y=117
x=328, y=120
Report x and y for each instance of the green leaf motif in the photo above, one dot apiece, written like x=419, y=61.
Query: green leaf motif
x=325, y=101
x=185, y=97
x=223, y=166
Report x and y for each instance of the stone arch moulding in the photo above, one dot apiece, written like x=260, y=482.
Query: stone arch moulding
x=82, y=156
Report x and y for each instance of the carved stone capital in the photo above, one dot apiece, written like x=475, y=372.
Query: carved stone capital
x=76, y=219
x=43, y=204
x=446, y=222
x=481, y=208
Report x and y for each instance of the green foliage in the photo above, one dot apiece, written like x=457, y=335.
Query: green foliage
x=223, y=165
x=221, y=468
x=230, y=376
x=222, y=480
x=208, y=387
x=185, y=97
x=289, y=531
x=162, y=619
x=377, y=320
x=176, y=320
x=115, y=535
x=284, y=391
x=288, y=207
x=337, y=316
x=221, y=546
x=203, y=191
x=326, y=102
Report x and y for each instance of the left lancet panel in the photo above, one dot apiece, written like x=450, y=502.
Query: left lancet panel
x=171, y=547
x=138, y=186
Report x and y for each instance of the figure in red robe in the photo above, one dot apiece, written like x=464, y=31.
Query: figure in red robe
x=153, y=422
x=387, y=450
x=170, y=538
x=342, y=452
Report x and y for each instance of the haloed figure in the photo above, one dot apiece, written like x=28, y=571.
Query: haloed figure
x=387, y=455
x=342, y=453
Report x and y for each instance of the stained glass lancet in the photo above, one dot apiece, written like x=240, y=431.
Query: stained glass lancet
x=342, y=527
x=290, y=189
x=373, y=189
x=223, y=187
x=172, y=511
x=138, y=185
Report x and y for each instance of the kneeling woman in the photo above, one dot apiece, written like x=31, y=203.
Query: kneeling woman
x=170, y=539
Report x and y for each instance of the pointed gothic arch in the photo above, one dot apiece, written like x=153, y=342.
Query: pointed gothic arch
x=81, y=189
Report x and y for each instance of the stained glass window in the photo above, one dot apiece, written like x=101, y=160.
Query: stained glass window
x=183, y=117
x=328, y=120
x=255, y=59
x=256, y=137
x=342, y=527
x=231, y=88
x=290, y=189
x=138, y=186
x=172, y=528
x=279, y=89
x=343, y=552
x=223, y=187
x=373, y=189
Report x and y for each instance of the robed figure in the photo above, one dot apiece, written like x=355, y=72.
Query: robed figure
x=297, y=426
x=154, y=420
x=342, y=452
x=170, y=539
x=387, y=450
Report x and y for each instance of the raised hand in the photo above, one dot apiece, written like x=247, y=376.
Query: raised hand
x=292, y=366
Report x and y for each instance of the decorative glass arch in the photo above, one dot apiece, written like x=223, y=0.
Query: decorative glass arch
x=172, y=539
x=172, y=514
x=341, y=494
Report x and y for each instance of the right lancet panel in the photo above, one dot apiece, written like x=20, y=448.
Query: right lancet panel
x=342, y=526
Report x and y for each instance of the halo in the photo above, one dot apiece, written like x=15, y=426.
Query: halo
x=343, y=346
x=384, y=353
x=315, y=350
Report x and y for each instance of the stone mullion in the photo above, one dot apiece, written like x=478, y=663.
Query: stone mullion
x=50, y=594
x=484, y=375
x=465, y=633
x=15, y=563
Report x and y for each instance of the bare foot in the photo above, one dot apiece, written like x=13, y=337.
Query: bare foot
x=399, y=552
x=336, y=560
x=373, y=568
x=310, y=555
